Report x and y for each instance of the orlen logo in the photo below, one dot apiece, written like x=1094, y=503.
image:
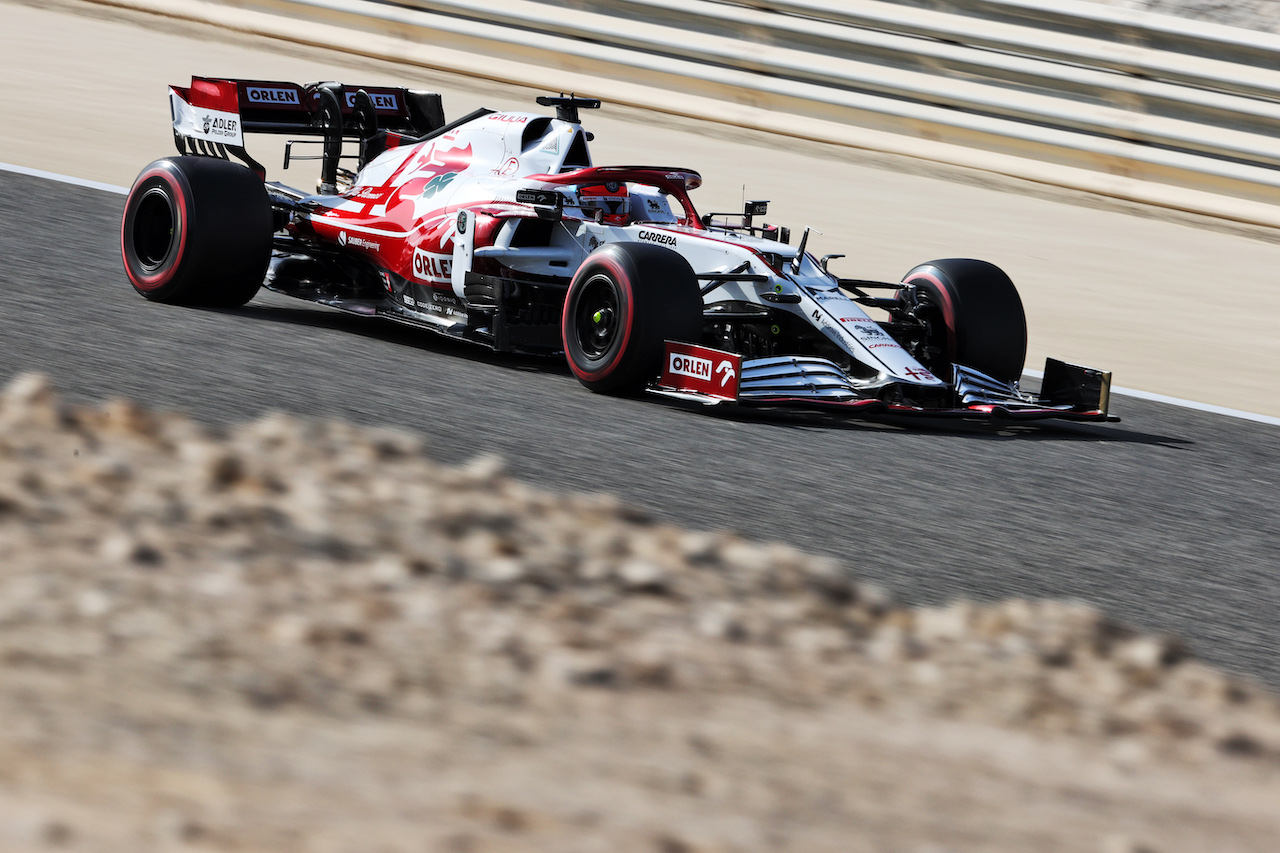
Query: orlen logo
x=690, y=365
x=428, y=266
x=264, y=95
x=381, y=100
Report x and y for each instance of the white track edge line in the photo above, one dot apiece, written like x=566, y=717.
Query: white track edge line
x=63, y=179
x=1035, y=374
x=1180, y=403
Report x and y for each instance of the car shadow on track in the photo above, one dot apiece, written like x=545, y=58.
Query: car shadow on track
x=389, y=331
x=320, y=317
x=1045, y=430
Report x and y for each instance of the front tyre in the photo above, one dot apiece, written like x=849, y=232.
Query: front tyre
x=972, y=315
x=626, y=300
x=197, y=231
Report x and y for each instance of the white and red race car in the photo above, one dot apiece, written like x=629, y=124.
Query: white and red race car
x=499, y=228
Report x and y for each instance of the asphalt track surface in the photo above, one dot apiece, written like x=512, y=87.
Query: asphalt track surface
x=1166, y=520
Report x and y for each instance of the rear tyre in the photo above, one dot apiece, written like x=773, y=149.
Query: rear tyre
x=197, y=231
x=974, y=317
x=624, y=302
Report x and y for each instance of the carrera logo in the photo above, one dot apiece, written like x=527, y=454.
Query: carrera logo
x=657, y=237
x=431, y=267
x=264, y=95
x=381, y=100
x=690, y=365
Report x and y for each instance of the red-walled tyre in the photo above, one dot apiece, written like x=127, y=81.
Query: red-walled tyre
x=197, y=231
x=975, y=317
x=624, y=302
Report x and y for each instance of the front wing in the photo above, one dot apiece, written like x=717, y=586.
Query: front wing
x=714, y=377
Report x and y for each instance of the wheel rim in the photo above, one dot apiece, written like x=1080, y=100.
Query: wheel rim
x=153, y=227
x=597, y=317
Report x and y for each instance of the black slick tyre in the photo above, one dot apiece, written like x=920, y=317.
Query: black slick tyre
x=197, y=231
x=624, y=301
x=975, y=317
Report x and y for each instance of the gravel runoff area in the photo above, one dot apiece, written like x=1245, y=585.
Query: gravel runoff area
x=292, y=635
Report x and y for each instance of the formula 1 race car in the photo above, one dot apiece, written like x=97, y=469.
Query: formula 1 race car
x=499, y=229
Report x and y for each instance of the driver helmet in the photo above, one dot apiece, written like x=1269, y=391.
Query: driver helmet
x=611, y=198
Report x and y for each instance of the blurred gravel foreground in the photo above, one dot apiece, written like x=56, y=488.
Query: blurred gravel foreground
x=302, y=636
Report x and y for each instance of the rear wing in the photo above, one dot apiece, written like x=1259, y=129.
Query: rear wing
x=212, y=115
